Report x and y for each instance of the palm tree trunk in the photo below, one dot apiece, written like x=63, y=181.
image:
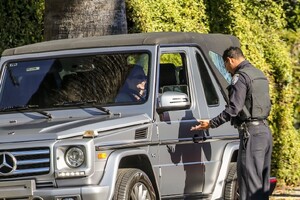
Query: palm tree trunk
x=84, y=18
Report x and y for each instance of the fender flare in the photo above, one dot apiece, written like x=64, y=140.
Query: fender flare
x=226, y=159
x=111, y=169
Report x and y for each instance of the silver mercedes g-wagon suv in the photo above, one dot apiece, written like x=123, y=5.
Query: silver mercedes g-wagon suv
x=109, y=118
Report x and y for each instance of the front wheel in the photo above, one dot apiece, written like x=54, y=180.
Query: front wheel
x=133, y=184
x=231, y=185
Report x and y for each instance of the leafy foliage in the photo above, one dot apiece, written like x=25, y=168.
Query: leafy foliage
x=292, y=38
x=292, y=12
x=166, y=15
x=21, y=22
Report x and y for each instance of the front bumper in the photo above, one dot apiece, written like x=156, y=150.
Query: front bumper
x=26, y=189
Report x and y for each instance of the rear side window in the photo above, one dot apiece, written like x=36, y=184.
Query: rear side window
x=209, y=89
x=219, y=63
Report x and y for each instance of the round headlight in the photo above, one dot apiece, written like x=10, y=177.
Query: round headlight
x=74, y=157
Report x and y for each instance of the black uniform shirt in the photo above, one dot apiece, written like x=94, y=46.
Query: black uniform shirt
x=237, y=96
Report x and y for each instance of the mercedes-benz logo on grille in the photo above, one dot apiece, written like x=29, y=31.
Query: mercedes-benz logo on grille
x=8, y=163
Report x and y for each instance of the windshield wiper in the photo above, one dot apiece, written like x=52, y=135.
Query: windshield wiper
x=84, y=103
x=107, y=111
x=44, y=113
x=21, y=108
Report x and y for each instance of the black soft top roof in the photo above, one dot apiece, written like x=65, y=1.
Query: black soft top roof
x=215, y=42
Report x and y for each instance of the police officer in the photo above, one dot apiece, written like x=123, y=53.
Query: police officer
x=248, y=108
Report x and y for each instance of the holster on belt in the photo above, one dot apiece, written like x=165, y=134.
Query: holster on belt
x=244, y=129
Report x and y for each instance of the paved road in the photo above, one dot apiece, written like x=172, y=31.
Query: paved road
x=287, y=194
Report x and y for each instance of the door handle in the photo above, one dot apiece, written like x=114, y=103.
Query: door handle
x=205, y=136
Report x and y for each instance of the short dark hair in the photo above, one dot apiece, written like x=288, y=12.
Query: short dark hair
x=233, y=52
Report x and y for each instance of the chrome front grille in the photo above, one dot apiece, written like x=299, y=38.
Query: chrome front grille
x=24, y=162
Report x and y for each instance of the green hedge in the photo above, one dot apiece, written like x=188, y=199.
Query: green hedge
x=293, y=40
x=258, y=25
x=292, y=12
x=166, y=15
x=21, y=22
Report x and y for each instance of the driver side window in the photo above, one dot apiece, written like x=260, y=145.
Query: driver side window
x=173, y=73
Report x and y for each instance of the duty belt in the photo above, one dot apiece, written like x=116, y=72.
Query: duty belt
x=244, y=126
x=256, y=122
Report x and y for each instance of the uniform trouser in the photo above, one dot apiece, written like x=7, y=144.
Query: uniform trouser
x=254, y=160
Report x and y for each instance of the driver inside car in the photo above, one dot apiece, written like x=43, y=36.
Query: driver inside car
x=134, y=88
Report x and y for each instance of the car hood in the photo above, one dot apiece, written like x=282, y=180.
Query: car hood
x=55, y=129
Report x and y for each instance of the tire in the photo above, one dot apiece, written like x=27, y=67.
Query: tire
x=133, y=184
x=231, y=185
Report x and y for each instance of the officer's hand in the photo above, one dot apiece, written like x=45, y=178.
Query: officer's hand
x=203, y=124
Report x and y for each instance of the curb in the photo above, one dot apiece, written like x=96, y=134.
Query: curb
x=282, y=194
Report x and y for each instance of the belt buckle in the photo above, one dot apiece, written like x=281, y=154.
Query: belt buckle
x=255, y=123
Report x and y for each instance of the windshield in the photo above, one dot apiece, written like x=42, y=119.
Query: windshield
x=101, y=79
